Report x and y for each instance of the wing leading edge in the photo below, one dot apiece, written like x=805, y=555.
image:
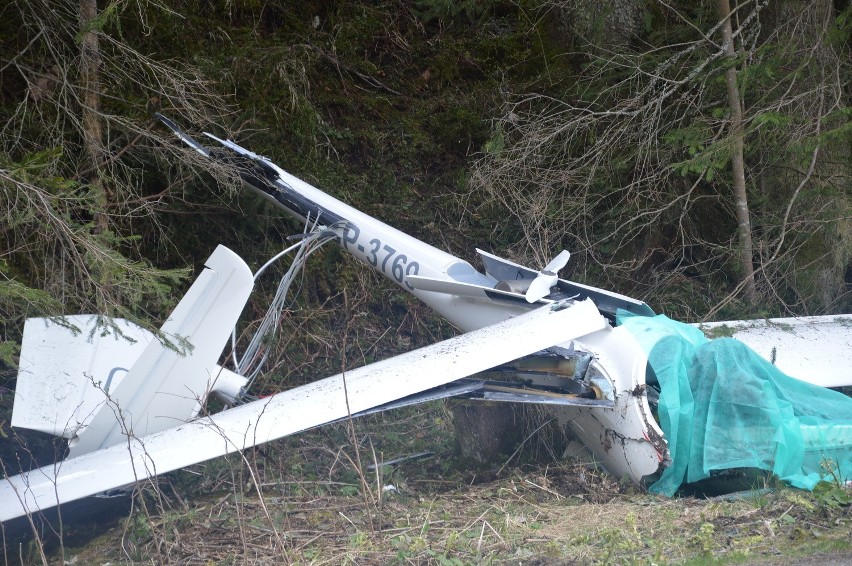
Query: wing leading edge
x=298, y=409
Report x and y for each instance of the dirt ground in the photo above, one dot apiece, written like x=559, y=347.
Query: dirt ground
x=567, y=514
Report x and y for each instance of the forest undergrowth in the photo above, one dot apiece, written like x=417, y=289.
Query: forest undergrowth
x=304, y=501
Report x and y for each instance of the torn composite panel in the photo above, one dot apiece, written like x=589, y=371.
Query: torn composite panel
x=626, y=439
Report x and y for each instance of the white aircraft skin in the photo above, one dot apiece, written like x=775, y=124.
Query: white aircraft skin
x=138, y=458
x=624, y=437
x=67, y=368
x=503, y=323
x=810, y=348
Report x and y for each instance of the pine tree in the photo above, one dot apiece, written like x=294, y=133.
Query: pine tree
x=631, y=165
x=75, y=142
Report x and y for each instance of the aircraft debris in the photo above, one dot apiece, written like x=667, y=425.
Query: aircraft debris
x=129, y=410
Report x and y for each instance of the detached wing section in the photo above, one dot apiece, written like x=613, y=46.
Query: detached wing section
x=297, y=409
x=810, y=348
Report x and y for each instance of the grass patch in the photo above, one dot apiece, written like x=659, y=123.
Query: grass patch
x=308, y=507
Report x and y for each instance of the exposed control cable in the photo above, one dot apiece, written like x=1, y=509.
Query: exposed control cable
x=251, y=362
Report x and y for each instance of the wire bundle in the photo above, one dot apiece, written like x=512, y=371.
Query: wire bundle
x=250, y=364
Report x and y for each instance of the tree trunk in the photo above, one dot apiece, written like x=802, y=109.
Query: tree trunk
x=486, y=432
x=737, y=160
x=90, y=96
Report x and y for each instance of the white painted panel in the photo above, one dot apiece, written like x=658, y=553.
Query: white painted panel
x=459, y=289
x=68, y=364
x=164, y=386
x=816, y=349
x=62, y=370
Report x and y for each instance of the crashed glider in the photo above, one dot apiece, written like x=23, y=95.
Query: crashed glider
x=129, y=408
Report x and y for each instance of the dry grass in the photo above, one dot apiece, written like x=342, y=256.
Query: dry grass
x=308, y=507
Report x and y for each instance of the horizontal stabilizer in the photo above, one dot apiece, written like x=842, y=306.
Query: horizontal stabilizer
x=66, y=367
x=463, y=289
x=69, y=363
x=298, y=409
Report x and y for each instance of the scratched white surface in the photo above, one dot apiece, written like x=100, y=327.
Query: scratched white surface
x=816, y=349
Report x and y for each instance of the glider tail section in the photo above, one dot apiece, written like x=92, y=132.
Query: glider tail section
x=98, y=388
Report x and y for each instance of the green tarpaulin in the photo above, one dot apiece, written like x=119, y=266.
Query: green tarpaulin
x=724, y=407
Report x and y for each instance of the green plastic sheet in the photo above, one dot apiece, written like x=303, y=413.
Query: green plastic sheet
x=722, y=407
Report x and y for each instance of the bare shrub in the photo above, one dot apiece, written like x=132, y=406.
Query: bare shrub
x=629, y=167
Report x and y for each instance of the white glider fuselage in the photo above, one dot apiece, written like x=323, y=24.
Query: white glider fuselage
x=623, y=435
x=448, y=284
x=389, y=251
